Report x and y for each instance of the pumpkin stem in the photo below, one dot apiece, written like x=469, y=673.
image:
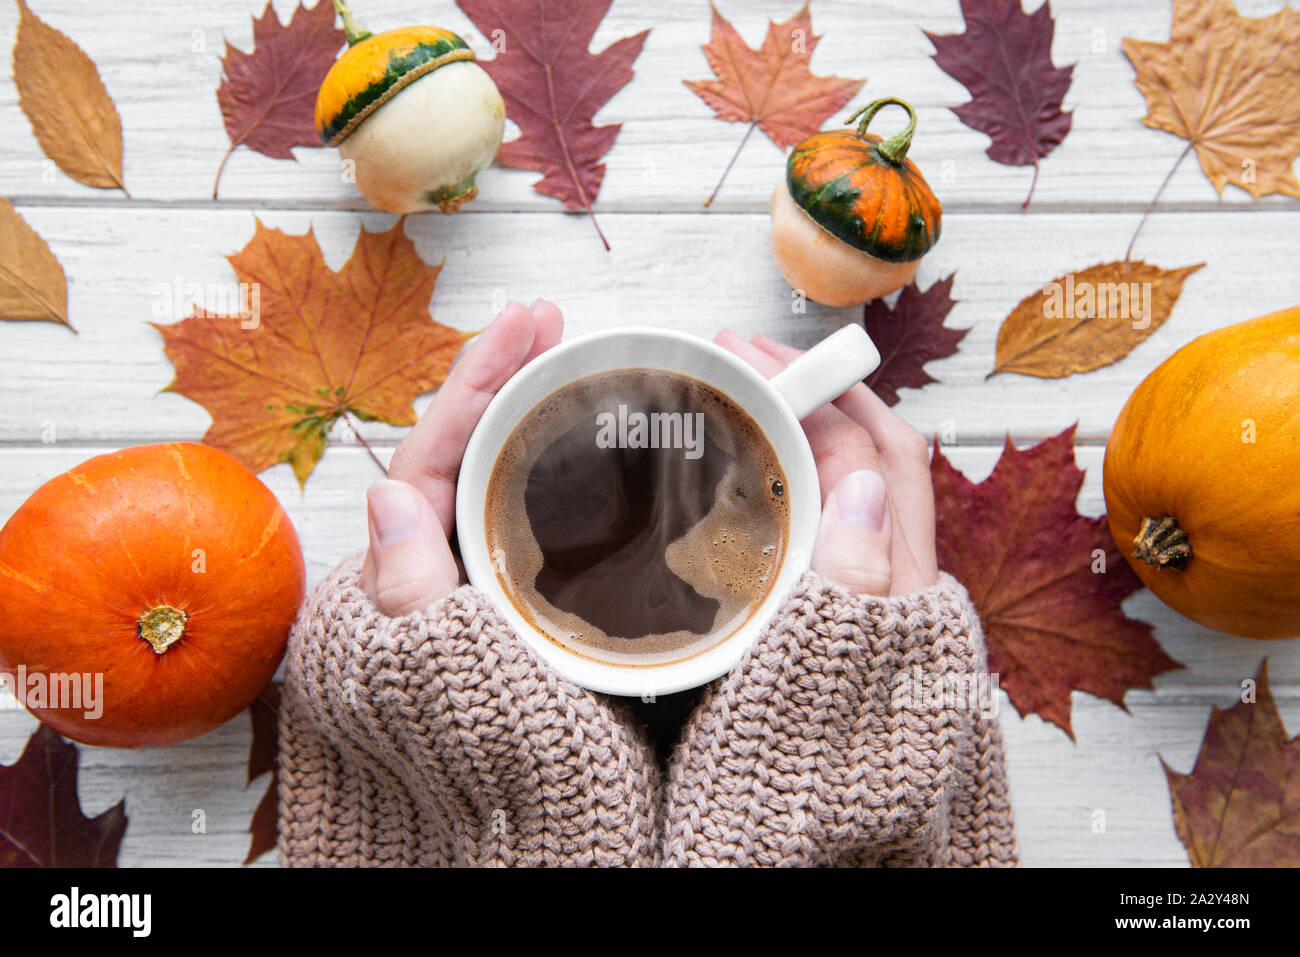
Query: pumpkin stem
x=355, y=33
x=1162, y=542
x=162, y=627
x=895, y=148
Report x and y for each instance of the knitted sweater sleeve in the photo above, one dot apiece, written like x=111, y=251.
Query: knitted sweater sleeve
x=438, y=738
x=859, y=731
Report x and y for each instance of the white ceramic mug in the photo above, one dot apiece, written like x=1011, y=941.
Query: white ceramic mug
x=776, y=406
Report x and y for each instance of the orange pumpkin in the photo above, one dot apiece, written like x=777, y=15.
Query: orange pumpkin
x=1202, y=478
x=169, y=570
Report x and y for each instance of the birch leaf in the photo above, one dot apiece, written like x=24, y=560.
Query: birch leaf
x=70, y=111
x=1087, y=319
x=32, y=283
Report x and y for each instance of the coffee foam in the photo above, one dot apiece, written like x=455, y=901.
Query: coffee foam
x=732, y=555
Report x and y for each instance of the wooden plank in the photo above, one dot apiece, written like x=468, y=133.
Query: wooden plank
x=128, y=267
x=161, y=64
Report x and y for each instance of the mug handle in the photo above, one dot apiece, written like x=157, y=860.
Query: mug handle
x=827, y=370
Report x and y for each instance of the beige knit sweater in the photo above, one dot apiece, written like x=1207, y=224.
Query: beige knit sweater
x=438, y=739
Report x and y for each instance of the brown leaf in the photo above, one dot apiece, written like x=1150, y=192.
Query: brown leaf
x=1047, y=582
x=262, y=752
x=1088, y=319
x=65, y=101
x=268, y=97
x=41, y=824
x=1240, y=806
x=1228, y=85
x=313, y=346
x=771, y=87
x=909, y=334
x=553, y=85
x=32, y=283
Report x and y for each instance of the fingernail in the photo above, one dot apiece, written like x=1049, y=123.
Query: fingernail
x=394, y=512
x=860, y=498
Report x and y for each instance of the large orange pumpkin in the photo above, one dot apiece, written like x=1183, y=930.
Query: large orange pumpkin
x=1202, y=478
x=170, y=570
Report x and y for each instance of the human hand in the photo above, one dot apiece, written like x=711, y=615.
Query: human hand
x=410, y=564
x=877, y=530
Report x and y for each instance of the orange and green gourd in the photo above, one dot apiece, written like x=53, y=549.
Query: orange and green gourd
x=375, y=68
x=414, y=118
x=863, y=189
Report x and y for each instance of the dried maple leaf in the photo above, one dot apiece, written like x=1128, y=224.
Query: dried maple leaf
x=1087, y=319
x=1228, y=85
x=1004, y=59
x=771, y=87
x=41, y=824
x=71, y=113
x=268, y=97
x=265, y=715
x=312, y=345
x=32, y=283
x=1240, y=806
x=909, y=335
x=553, y=85
x=1047, y=581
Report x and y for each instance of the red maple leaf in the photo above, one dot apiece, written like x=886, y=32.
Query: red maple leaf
x=553, y=85
x=771, y=87
x=1240, y=806
x=41, y=824
x=909, y=334
x=268, y=97
x=1004, y=59
x=265, y=715
x=1047, y=581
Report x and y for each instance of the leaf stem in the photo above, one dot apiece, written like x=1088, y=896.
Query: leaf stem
x=743, y=140
x=1154, y=199
x=355, y=33
x=220, y=169
x=356, y=431
x=1032, y=183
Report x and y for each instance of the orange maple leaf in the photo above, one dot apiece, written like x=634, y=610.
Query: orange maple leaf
x=772, y=87
x=312, y=345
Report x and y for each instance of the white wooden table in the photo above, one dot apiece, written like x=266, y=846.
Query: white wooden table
x=672, y=263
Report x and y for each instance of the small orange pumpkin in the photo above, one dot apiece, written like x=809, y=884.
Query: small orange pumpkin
x=855, y=215
x=1201, y=475
x=169, y=570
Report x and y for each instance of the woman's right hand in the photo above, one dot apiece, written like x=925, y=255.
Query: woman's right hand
x=877, y=529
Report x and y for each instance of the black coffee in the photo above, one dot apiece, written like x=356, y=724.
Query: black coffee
x=637, y=516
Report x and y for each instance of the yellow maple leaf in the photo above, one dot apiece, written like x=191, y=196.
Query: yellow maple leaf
x=1229, y=85
x=312, y=345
